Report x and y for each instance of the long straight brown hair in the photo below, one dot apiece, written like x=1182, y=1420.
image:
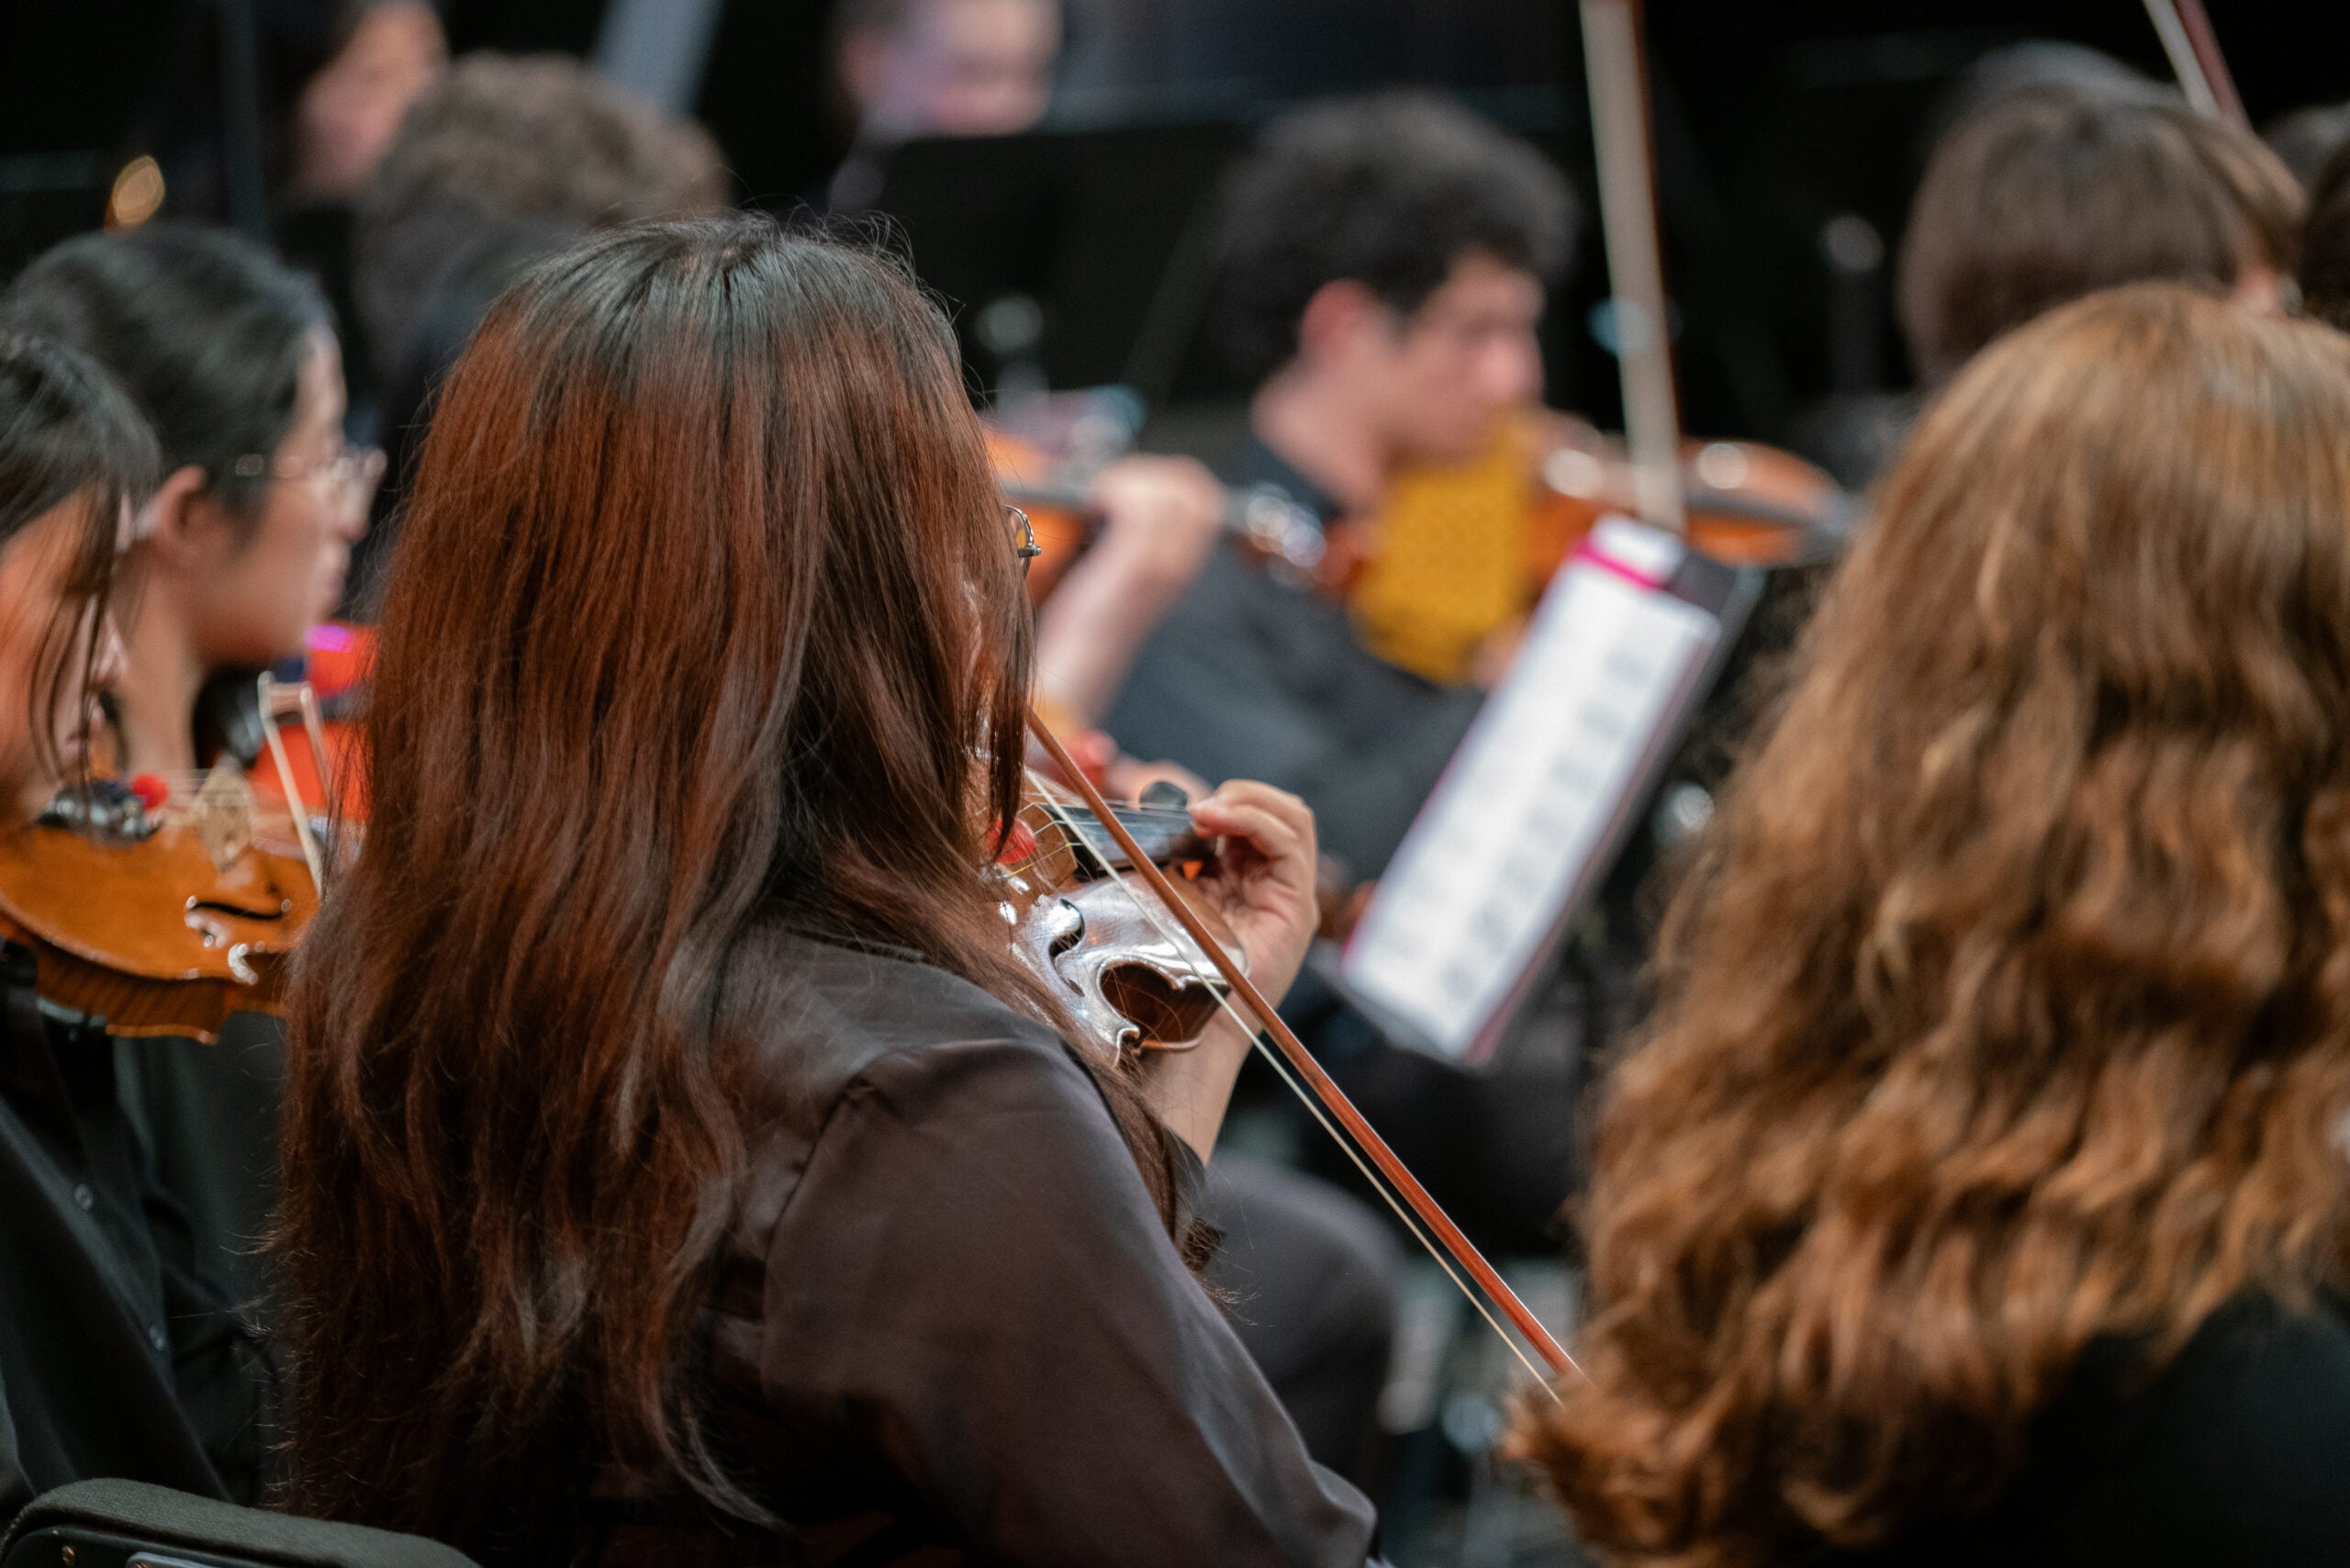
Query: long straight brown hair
x=706, y=611
x=2007, y=1006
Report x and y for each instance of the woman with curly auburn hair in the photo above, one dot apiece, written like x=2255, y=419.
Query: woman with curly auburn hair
x=1980, y=1191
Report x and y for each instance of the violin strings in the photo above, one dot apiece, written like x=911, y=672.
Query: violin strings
x=1411, y=1222
x=1257, y=1041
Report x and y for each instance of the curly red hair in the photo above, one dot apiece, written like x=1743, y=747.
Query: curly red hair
x=2006, y=1005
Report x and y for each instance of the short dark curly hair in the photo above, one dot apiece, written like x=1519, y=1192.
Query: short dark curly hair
x=1389, y=191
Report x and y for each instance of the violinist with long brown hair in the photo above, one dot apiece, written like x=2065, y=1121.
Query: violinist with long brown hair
x=118, y=1356
x=679, y=1165
x=1979, y=1190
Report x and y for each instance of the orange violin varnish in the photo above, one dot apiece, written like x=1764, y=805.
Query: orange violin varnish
x=151, y=936
x=1458, y=555
x=1062, y=531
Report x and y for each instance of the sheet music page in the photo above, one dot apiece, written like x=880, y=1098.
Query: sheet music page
x=1509, y=835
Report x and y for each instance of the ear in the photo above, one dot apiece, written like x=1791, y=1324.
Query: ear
x=1339, y=321
x=178, y=521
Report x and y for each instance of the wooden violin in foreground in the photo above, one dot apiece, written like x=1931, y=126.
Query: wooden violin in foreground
x=155, y=910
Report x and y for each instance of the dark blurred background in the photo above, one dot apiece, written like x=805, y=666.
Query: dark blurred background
x=1789, y=136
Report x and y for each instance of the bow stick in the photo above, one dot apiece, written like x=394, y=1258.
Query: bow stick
x=1628, y=211
x=1439, y=1228
x=2195, y=59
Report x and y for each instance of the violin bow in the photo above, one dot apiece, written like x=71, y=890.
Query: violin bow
x=1434, y=1227
x=279, y=701
x=1614, y=62
x=2196, y=60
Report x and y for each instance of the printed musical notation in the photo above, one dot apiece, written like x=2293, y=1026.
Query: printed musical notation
x=1511, y=837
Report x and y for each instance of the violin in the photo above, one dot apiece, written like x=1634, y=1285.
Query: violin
x=151, y=911
x=1264, y=522
x=1106, y=847
x=1746, y=504
x=1439, y=579
x=1131, y=984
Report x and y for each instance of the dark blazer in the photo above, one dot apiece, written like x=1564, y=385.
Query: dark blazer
x=1250, y=677
x=948, y=1325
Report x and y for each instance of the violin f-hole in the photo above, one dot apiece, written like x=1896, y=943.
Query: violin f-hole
x=198, y=907
x=203, y=917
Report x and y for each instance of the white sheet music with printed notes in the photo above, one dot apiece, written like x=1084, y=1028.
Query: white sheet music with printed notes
x=1511, y=837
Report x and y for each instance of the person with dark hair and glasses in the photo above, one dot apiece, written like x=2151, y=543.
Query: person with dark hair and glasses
x=117, y=1357
x=234, y=360
x=1384, y=266
x=240, y=551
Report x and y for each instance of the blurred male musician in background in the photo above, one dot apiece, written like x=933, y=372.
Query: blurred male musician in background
x=1384, y=266
x=917, y=68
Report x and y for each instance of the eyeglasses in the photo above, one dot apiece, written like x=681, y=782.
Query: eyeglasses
x=1024, y=537
x=352, y=468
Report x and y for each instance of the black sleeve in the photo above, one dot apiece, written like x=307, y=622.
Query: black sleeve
x=2238, y=1452
x=971, y=1286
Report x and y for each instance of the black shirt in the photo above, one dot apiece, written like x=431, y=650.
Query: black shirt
x=2239, y=1451
x=118, y=1358
x=1249, y=676
x=949, y=1325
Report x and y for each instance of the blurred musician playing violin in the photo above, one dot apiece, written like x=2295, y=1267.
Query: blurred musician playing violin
x=1384, y=268
x=117, y=1357
x=681, y=1165
x=241, y=550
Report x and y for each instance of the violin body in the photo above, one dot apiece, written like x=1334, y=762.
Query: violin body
x=1748, y=504
x=1260, y=519
x=142, y=927
x=1440, y=578
x=1132, y=982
